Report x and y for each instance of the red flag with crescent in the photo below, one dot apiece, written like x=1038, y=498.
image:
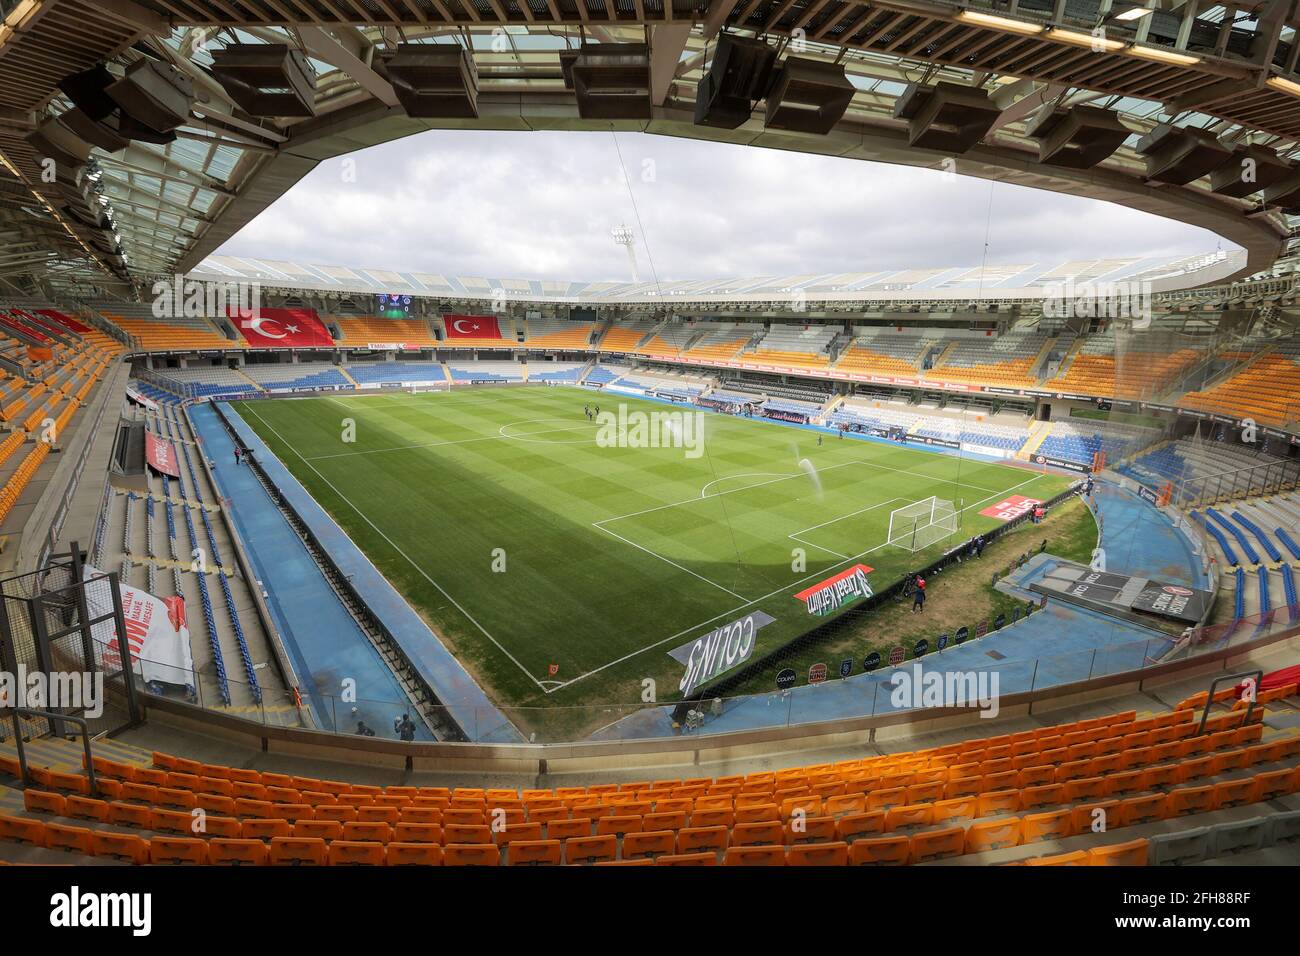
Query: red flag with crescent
x=472, y=327
x=270, y=328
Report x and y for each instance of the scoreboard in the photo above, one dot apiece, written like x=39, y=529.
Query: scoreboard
x=393, y=305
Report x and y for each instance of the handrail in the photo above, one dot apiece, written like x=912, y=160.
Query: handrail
x=1257, y=673
x=51, y=716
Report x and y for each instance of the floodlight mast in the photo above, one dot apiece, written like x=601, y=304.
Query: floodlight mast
x=624, y=237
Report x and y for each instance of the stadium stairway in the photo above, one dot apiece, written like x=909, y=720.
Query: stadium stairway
x=150, y=539
x=316, y=628
x=1164, y=792
x=1038, y=432
x=827, y=410
x=241, y=374
x=1257, y=543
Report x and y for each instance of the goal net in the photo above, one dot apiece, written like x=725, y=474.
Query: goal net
x=917, y=526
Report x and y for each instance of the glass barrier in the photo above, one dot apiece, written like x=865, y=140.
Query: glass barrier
x=878, y=692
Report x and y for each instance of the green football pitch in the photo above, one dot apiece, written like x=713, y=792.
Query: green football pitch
x=562, y=570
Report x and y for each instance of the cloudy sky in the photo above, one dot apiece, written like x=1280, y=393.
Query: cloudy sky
x=541, y=205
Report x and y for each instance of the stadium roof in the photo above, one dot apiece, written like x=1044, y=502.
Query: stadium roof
x=960, y=283
x=1221, y=69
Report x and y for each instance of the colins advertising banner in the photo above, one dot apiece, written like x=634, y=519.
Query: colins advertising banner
x=719, y=650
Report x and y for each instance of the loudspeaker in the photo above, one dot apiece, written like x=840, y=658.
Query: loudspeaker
x=433, y=79
x=946, y=117
x=612, y=81
x=105, y=133
x=739, y=76
x=155, y=95
x=53, y=140
x=87, y=90
x=1180, y=155
x=1079, y=137
x=808, y=96
x=267, y=79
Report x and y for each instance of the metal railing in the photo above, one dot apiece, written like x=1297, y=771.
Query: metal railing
x=1266, y=478
x=83, y=729
x=1256, y=675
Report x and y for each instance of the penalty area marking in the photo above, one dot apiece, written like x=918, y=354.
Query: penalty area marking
x=796, y=535
x=740, y=607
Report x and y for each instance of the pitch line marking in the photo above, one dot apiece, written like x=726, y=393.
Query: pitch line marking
x=670, y=561
x=704, y=492
x=784, y=477
x=649, y=647
x=545, y=431
x=851, y=514
x=819, y=547
x=424, y=574
x=437, y=444
x=796, y=535
x=740, y=607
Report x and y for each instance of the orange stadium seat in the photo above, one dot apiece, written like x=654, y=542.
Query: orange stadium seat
x=1073, y=858
x=178, y=850
x=757, y=834
x=236, y=852
x=414, y=854
x=687, y=859
x=61, y=836
x=1053, y=825
x=298, y=851
x=125, y=847
x=890, y=850
x=1133, y=853
x=355, y=853
x=590, y=849
x=818, y=854
x=755, y=856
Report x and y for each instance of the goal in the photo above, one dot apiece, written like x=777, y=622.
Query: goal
x=917, y=526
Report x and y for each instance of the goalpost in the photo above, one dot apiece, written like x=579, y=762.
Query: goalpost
x=917, y=526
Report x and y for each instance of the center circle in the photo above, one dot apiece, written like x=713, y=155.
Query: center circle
x=532, y=437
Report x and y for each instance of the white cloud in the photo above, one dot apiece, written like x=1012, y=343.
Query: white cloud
x=542, y=204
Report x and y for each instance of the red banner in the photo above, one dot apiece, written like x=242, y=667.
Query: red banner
x=472, y=327
x=835, y=592
x=284, y=329
x=1012, y=506
x=160, y=454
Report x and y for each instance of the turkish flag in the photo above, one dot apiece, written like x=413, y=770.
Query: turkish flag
x=284, y=329
x=472, y=327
